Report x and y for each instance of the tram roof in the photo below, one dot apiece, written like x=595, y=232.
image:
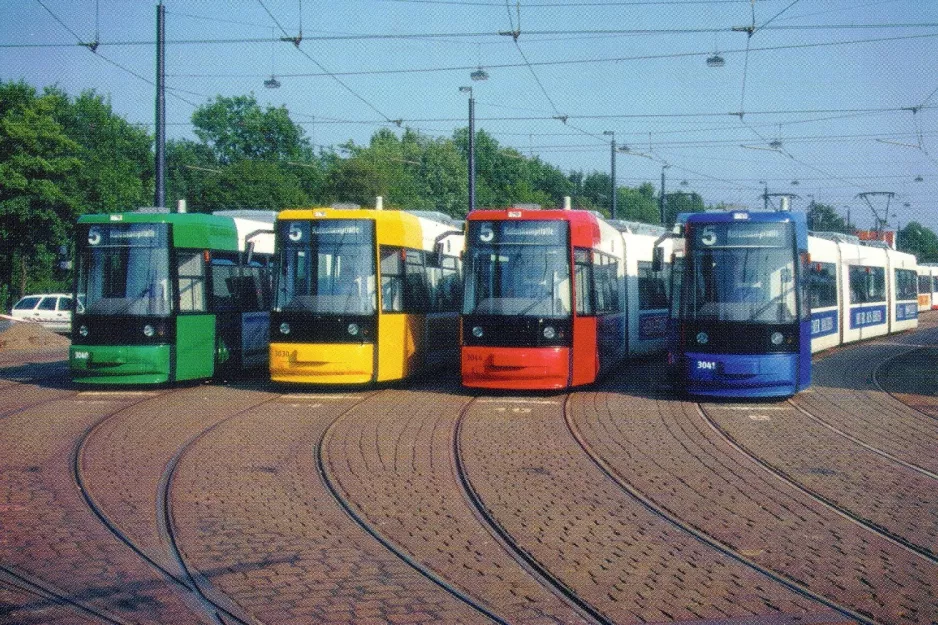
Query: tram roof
x=736, y=216
x=526, y=212
x=195, y=230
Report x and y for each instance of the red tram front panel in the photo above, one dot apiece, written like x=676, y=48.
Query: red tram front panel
x=527, y=321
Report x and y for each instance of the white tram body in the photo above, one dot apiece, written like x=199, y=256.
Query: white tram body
x=826, y=271
x=903, y=291
x=648, y=252
x=927, y=286
x=859, y=290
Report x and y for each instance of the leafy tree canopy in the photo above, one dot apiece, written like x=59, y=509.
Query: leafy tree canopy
x=919, y=240
x=37, y=158
x=238, y=128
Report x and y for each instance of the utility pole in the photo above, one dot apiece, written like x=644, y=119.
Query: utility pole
x=472, y=148
x=880, y=222
x=612, y=168
x=160, y=165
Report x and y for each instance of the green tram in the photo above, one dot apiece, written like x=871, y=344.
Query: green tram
x=165, y=297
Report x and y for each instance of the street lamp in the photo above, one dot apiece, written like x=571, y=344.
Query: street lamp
x=661, y=196
x=612, y=151
x=472, y=148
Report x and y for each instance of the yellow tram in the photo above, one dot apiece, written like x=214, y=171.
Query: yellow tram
x=364, y=295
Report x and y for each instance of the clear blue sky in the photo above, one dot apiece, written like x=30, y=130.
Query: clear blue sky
x=847, y=87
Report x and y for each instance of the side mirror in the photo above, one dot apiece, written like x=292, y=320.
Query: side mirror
x=657, y=259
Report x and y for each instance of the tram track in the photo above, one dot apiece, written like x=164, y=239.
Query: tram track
x=648, y=502
x=858, y=519
x=528, y=562
x=51, y=595
x=200, y=596
x=878, y=373
x=857, y=441
x=348, y=507
x=849, y=399
x=83, y=603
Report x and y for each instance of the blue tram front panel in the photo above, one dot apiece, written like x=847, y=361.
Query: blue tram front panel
x=742, y=323
x=730, y=359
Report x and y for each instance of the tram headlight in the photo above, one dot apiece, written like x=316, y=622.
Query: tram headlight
x=477, y=332
x=549, y=332
x=284, y=328
x=83, y=330
x=353, y=329
x=703, y=338
x=148, y=331
x=777, y=338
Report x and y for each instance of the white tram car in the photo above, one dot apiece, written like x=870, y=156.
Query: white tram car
x=859, y=290
x=648, y=253
x=927, y=286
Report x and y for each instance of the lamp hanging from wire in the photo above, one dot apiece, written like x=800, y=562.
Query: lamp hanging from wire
x=272, y=82
x=479, y=74
x=776, y=143
x=715, y=60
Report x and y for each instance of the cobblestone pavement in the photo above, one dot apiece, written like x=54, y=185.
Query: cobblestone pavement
x=244, y=502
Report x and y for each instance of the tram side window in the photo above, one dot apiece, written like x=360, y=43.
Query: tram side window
x=867, y=284
x=224, y=278
x=924, y=284
x=823, y=284
x=652, y=287
x=934, y=283
x=605, y=283
x=445, y=285
x=416, y=282
x=584, y=282
x=191, y=281
x=239, y=288
x=392, y=280
x=677, y=286
x=905, y=284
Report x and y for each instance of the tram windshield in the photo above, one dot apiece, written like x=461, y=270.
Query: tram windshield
x=123, y=269
x=742, y=272
x=518, y=268
x=327, y=267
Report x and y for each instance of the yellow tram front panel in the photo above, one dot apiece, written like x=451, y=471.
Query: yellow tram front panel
x=322, y=363
x=393, y=342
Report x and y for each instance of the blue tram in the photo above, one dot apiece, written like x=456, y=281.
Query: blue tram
x=740, y=315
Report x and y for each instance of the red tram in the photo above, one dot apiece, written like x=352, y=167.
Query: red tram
x=544, y=304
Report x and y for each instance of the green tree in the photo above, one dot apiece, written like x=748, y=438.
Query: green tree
x=36, y=160
x=682, y=202
x=238, y=128
x=443, y=180
x=919, y=240
x=594, y=192
x=638, y=204
x=190, y=167
x=824, y=218
x=116, y=172
x=358, y=180
x=251, y=184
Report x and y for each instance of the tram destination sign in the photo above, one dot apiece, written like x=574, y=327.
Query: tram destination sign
x=127, y=235
x=532, y=232
x=752, y=234
x=345, y=231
